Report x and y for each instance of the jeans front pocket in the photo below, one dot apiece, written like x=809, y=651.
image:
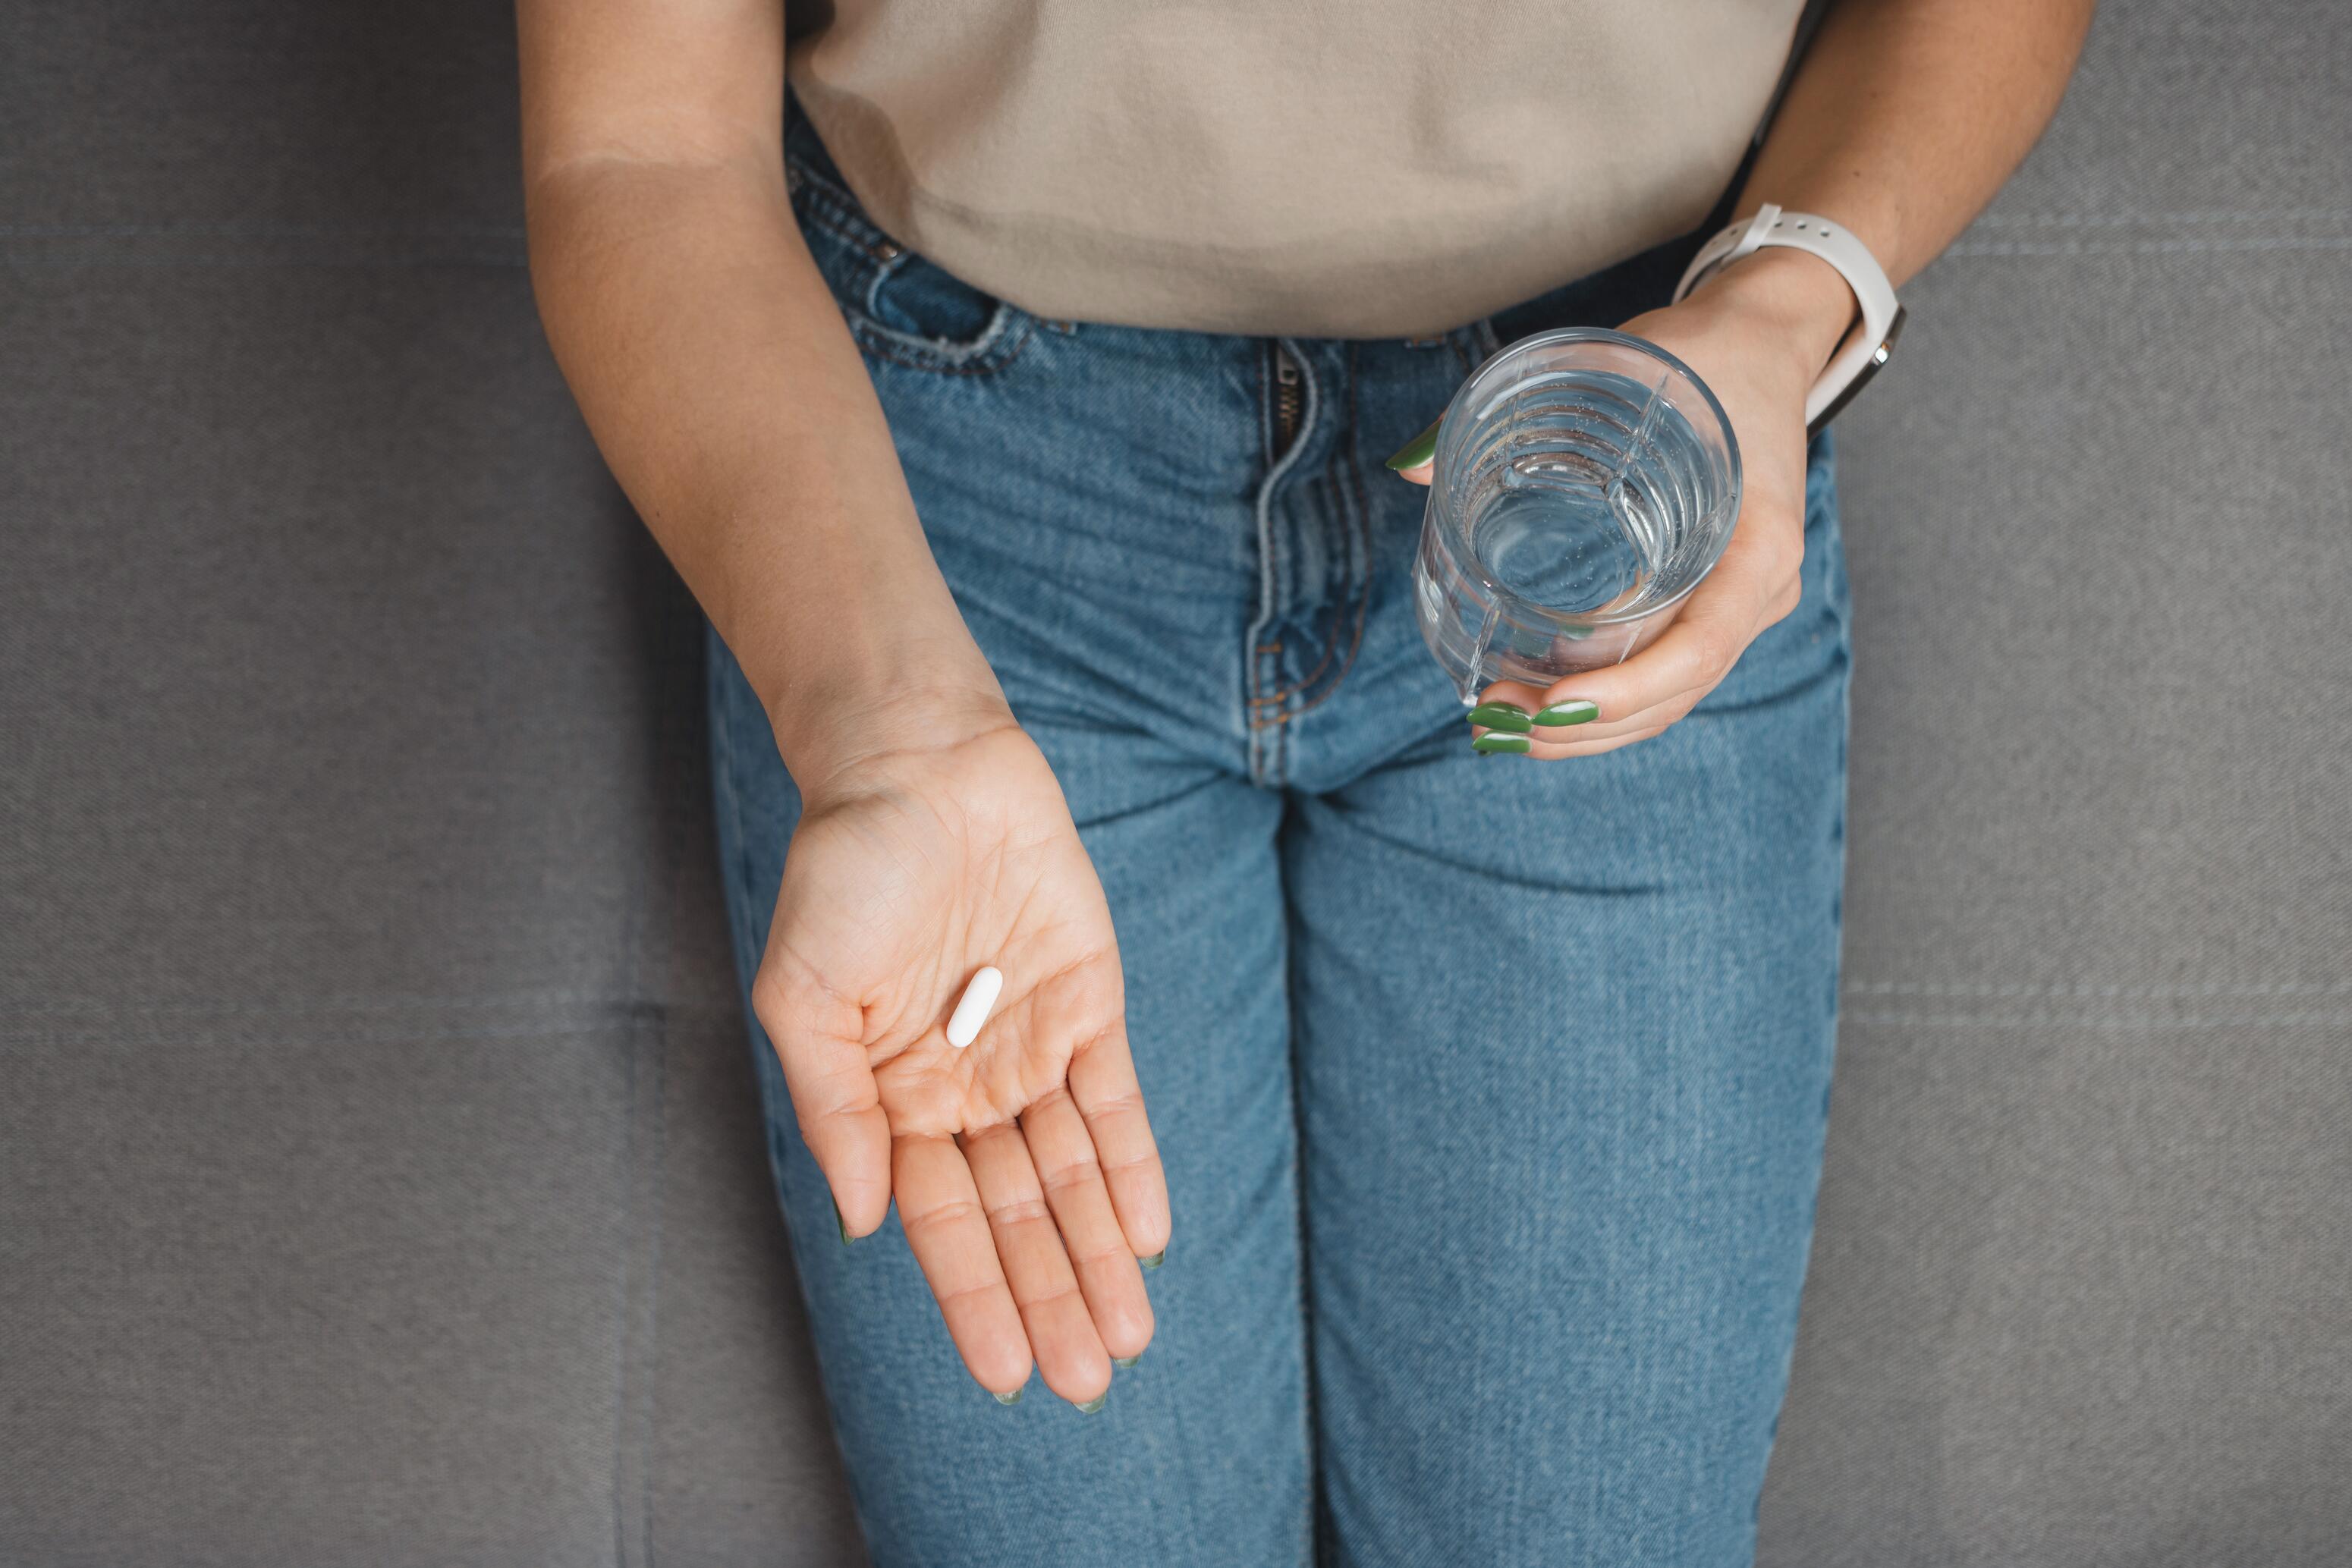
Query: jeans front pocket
x=903, y=308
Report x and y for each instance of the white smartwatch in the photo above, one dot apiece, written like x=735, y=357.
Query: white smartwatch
x=1867, y=345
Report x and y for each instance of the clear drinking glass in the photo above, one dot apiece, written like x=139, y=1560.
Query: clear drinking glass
x=1585, y=482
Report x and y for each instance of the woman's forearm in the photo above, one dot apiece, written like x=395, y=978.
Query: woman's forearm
x=1902, y=121
x=724, y=390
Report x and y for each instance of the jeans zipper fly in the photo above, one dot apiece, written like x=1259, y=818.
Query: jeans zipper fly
x=1289, y=399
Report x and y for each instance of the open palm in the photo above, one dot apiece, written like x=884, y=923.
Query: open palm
x=1023, y=1167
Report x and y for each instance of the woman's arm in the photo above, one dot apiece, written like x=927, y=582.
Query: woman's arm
x=717, y=374
x=722, y=385
x=1902, y=121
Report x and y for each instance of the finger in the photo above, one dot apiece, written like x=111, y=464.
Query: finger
x=1417, y=458
x=1578, y=735
x=818, y=1036
x=1559, y=752
x=1072, y=1178
x=1514, y=711
x=1691, y=655
x=1103, y=1084
x=939, y=1206
x=1054, y=1308
x=1537, y=750
x=1560, y=743
x=1689, y=658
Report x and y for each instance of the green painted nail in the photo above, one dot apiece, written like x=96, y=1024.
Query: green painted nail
x=1419, y=450
x=1487, y=745
x=1097, y=1403
x=841, y=1225
x=1124, y=1361
x=1508, y=716
x=1156, y=1259
x=1012, y=1398
x=1576, y=712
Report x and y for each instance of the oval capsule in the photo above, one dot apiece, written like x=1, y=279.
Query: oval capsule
x=979, y=999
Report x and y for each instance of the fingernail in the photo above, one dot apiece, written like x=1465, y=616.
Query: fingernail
x=1156, y=1259
x=1124, y=1361
x=1576, y=712
x=1097, y=1403
x=1419, y=450
x=1508, y=716
x=1487, y=745
x=1012, y=1398
x=841, y=1225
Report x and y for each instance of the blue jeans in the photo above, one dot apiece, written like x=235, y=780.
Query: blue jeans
x=1491, y=1092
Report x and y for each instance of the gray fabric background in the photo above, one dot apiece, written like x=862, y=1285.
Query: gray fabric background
x=380, y=1181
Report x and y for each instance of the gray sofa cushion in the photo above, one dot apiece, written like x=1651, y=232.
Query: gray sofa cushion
x=2082, y=1290
x=379, y=1175
x=380, y=1180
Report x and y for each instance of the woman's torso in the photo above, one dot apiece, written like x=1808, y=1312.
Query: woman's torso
x=1238, y=165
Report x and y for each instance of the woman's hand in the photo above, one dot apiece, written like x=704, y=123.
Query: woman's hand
x=1025, y=1174
x=1758, y=333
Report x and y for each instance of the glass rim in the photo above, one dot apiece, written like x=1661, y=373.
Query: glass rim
x=1449, y=444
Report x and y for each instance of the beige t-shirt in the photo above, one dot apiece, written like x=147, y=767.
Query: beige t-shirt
x=1374, y=169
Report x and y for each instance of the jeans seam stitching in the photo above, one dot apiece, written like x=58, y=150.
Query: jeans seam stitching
x=1263, y=622
x=1343, y=466
x=1008, y=321
x=1303, y=1234
x=1330, y=643
x=832, y=210
x=1269, y=754
x=832, y=191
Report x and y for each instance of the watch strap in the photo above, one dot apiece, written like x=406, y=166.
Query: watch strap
x=1866, y=345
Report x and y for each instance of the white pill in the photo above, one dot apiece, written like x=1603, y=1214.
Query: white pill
x=971, y=1012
